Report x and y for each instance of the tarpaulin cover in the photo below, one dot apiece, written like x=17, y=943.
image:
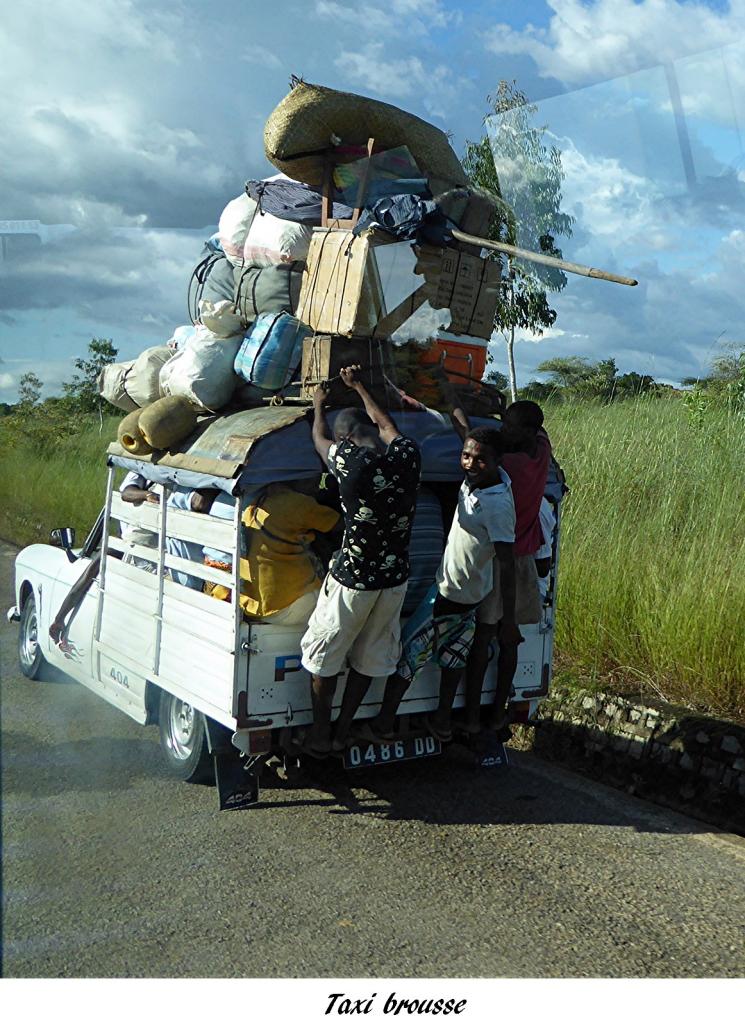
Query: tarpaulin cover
x=287, y=453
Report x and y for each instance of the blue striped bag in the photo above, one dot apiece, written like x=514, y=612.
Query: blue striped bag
x=272, y=351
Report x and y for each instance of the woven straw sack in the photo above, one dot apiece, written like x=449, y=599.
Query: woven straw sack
x=299, y=129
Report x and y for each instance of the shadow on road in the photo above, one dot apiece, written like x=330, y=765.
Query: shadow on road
x=449, y=790
x=446, y=790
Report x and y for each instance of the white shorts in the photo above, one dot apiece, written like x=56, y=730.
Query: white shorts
x=527, y=595
x=359, y=626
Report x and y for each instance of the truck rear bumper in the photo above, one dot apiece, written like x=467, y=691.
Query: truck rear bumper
x=13, y=615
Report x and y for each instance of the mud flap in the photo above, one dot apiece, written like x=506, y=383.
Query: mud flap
x=236, y=777
x=237, y=782
x=486, y=749
x=489, y=751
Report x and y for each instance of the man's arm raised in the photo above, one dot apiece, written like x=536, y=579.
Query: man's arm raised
x=382, y=420
x=321, y=438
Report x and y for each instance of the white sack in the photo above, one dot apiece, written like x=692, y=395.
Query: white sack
x=143, y=380
x=233, y=227
x=220, y=318
x=136, y=383
x=271, y=240
x=202, y=370
x=180, y=336
x=111, y=385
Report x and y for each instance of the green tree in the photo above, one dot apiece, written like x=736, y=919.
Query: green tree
x=497, y=378
x=540, y=391
x=81, y=394
x=566, y=371
x=29, y=391
x=579, y=378
x=513, y=162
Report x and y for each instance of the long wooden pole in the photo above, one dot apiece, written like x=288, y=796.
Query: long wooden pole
x=539, y=257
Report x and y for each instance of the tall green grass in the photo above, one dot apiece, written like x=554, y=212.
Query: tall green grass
x=55, y=482
x=652, y=579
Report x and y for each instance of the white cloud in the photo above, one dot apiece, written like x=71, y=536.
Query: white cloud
x=441, y=92
x=99, y=139
x=410, y=17
x=608, y=196
x=600, y=39
x=261, y=56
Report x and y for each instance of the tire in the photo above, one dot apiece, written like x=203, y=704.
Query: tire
x=183, y=740
x=30, y=657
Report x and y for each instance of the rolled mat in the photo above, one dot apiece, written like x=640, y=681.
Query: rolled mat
x=129, y=434
x=167, y=421
x=299, y=131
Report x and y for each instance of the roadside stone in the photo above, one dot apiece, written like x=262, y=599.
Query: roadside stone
x=731, y=745
x=661, y=752
x=636, y=748
x=710, y=768
x=649, y=750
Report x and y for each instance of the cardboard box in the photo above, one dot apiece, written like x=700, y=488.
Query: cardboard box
x=469, y=287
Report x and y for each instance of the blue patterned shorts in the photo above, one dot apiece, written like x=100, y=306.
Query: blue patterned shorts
x=446, y=640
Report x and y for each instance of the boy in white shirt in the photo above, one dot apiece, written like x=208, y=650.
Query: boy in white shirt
x=442, y=628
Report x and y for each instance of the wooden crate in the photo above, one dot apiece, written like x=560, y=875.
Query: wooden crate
x=324, y=356
x=341, y=292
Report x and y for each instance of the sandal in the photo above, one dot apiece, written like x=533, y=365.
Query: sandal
x=304, y=747
x=443, y=735
x=368, y=734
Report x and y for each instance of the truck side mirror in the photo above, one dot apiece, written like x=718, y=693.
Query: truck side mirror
x=64, y=538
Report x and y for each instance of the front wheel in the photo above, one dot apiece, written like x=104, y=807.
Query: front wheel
x=183, y=739
x=29, y=653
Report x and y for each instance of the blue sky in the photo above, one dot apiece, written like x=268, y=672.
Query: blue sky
x=135, y=121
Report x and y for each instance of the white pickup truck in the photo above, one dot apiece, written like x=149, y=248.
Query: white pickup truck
x=215, y=683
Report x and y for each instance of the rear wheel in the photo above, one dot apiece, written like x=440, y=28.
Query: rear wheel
x=29, y=653
x=183, y=739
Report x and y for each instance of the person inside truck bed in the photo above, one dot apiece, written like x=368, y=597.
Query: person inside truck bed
x=186, y=500
x=357, y=615
x=526, y=461
x=279, y=583
x=442, y=628
x=136, y=489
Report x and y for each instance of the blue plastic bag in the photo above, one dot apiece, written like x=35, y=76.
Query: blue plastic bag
x=272, y=351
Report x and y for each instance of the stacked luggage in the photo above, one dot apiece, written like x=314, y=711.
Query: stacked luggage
x=297, y=281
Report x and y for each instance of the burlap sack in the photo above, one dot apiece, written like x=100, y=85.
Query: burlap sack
x=300, y=128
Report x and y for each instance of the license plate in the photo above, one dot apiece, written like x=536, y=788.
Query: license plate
x=365, y=755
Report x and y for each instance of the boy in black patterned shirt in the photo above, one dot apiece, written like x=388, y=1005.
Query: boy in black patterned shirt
x=358, y=610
